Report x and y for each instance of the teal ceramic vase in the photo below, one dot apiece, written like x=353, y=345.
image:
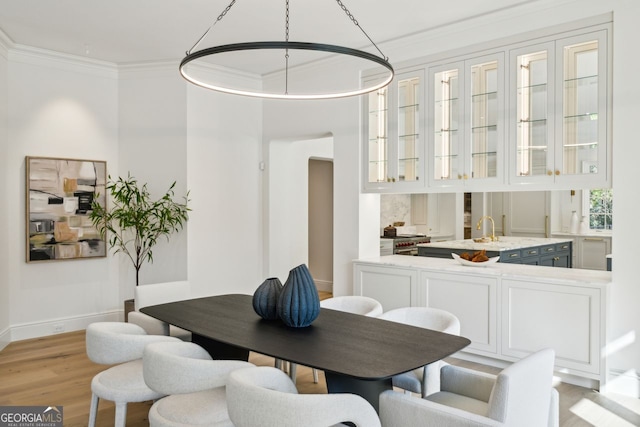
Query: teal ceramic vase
x=265, y=298
x=299, y=302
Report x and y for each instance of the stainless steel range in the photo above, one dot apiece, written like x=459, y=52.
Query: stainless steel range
x=406, y=244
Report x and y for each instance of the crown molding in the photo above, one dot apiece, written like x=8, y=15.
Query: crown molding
x=62, y=61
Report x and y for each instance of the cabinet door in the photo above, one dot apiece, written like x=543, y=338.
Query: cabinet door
x=446, y=122
x=536, y=315
x=581, y=147
x=408, y=134
x=527, y=213
x=472, y=299
x=394, y=129
x=531, y=82
x=392, y=287
x=592, y=252
x=376, y=150
x=484, y=110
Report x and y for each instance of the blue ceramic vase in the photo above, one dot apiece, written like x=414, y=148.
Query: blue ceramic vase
x=299, y=302
x=265, y=298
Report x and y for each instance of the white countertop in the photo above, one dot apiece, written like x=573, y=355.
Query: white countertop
x=567, y=276
x=504, y=243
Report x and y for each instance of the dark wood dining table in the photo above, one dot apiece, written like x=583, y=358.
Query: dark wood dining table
x=358, y=354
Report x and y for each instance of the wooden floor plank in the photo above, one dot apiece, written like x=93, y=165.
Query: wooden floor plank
x=55, y=370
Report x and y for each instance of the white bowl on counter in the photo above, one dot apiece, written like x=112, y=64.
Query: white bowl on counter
x=475, y=264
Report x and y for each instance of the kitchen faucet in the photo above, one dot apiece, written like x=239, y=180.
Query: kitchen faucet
x=493, y=227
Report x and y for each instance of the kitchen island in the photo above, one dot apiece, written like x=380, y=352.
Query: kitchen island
x=507, y=310
x=519, y=250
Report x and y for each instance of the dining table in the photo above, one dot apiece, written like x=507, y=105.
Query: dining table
x=358, y=354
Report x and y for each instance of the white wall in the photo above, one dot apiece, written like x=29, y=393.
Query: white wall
x=225, y=180
x=58, y=107
x=288, y=202
x=5, y=244
x=353, y=212
x=152, y=113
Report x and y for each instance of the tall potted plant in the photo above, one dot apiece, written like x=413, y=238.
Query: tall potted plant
x=135, y=222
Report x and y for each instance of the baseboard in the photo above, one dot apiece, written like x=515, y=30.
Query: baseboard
x=5, y=338
x=324, y=285
x=64, y=324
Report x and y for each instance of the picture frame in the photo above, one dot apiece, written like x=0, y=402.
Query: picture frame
x=59, y=194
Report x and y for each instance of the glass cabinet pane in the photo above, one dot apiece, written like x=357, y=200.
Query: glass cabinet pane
x=378, y=136
x=484, y=119
x=580, y=109
x=531, y=109
x=408, y=129
x=447, y=105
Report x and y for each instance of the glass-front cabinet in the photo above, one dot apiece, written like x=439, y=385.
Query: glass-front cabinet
x=531, y=114
x=466, y=123
x=559, y=112
x=582, y=132
x=395, y=134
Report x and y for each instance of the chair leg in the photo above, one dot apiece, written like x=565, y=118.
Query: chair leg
x=315, y=376
x=278, y=364
x=121, y=414
x=93, y=410
x=292, y=371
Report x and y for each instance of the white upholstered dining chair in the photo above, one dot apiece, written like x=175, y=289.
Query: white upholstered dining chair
x=122, y=344
x=193, y=382
x=426, y=380
x=267, y=397
x=521, y=395
x=160, y=293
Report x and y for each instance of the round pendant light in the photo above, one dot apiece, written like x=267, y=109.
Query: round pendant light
x=200, y=79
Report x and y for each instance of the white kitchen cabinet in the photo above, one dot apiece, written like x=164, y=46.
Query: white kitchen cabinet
x=592, y=251
x=521, y=213
x=559, y=93
x=508, y=311
x=472, y=299
x=394, y=129
x=466, y=122
x=393, y=287
x=532, y=112
x=568, y=319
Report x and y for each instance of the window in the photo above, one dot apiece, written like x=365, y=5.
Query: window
x=600, y=207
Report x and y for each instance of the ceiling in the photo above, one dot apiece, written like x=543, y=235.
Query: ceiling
x=126, y=31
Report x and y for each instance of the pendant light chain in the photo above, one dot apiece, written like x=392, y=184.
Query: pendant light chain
x=355, y=22
x=286, y=54
x=219, y=18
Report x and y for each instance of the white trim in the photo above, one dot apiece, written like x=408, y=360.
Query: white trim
x=5, y=338
x=324, y=285
x=64, y=324
x=47, y=58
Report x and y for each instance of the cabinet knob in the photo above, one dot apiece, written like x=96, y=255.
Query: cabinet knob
x=557, y=172
x=459, y=176
x=549, y=173
x=465, y=176
x=393, y=179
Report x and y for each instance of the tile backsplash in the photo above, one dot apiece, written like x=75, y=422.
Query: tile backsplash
x=393, y=208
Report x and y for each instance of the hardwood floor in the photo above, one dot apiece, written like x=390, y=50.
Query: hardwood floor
x=55, y=370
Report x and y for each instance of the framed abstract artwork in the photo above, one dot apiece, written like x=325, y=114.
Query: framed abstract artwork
x=58, y=202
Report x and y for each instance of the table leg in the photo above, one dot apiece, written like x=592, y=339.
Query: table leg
x=220, y=350
x=370, y=390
